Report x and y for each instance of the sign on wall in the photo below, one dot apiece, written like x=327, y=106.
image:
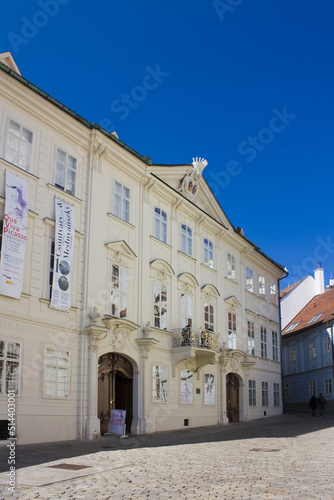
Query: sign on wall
x=14, y=236
x=63, y=257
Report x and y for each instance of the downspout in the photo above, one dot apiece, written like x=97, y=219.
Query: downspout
x=280, y=330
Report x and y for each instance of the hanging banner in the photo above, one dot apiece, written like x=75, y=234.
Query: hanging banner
x=63, y=257
x=14, y=236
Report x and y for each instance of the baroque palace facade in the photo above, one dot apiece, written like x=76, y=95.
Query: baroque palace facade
x=173, y=314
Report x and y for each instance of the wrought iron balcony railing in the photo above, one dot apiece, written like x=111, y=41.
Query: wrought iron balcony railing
x=188, y=336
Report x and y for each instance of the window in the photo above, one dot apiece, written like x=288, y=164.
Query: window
x=208, y=253
x=159, y=384
x=209, y=389
x=312, y=388
x=263, y=342
x=56, y=373
x=249, y=279
x=121, y=201
x=208, y=317
x=252, y=392
x=65, y=171
x=313, y=350
x=231, y=266
x=293, y=356
x=251, y=341
x=186, y=310
x=232, y=331
x=265, y=398
x=328, y=386
x=275, y=345
x=314, y=319
x=273, y=295
x=18, y=147
x=262, y=286
x=186, y=239
x=51, y=266
x=327, y=342
x=160, y=224
x=186, y=387
x=119, y=291
x=160, y=305
x=276, y=395
x=292, y=327
x=10, y=353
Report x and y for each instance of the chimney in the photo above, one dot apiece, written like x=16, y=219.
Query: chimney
x=319, y=280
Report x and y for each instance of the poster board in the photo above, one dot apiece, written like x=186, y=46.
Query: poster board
x=117, y=422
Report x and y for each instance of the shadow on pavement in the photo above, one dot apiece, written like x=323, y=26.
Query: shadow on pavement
x=283, y=426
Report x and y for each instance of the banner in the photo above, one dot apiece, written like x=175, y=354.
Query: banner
x=14, y=236
x=63, y=257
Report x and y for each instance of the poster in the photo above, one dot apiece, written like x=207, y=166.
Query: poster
x=117, y=422
x=63, y=257
x=14, y=236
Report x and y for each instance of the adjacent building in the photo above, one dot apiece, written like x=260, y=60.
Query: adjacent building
x=173, y=313
x=307, y=345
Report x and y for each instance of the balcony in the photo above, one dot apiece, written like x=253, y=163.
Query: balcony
x=199, y=347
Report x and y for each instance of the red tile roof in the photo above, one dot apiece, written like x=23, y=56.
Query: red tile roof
x=320, y=304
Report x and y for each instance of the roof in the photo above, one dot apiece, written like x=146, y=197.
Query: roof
x=318, y=311
x=289, y=288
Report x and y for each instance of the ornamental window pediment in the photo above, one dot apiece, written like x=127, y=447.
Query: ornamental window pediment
x=210, y=291
x=187, y=283
x=121, y=252
x=233, y=302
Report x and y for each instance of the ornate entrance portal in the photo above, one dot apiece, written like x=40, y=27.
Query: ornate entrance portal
x=232, y=395
x=115, y=388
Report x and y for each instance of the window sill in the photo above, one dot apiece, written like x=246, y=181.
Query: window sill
x=186, y=255
x=22, y=171
x=230, y=280
x=160, y=241
x=208, y=268
x=48, y=302
x=68, y=196
x=109, y=214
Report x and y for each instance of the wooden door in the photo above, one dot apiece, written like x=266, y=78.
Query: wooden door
x=232, y=395
x=114, y=388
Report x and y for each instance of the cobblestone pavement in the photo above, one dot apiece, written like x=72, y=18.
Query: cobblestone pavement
x=286, y=457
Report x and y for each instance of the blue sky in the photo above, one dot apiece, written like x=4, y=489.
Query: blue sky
x=246, y=84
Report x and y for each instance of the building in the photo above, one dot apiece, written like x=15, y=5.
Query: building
x=307, y=351
x=173, y=313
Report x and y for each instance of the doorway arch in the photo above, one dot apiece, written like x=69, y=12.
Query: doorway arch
x=115, y=388
x=232, y=398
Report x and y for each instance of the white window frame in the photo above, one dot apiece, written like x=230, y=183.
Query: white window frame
x=119, y=291
x=276, y=393
x=121, y=201
x=160, y=383
x=251, y=338
x=209, y=389
x=186, y=386
x=265, y=394
x=10, y=360
x=262, y=287
x=313, y=349
x=264, y=346
x=312, y=388
x=22, y=161
x=275, y=345
x=231, y=267
x=65, y=171
x=160, y=224
x=327, y=344
x=232, y=330
x=252, y=392
x=273, y=293
x=59, y=365
x=160, y=301
x=249, y=280
x=328, y=386
x=208, y=252
x=209, y=317
x=186, y=239
x=186, y=309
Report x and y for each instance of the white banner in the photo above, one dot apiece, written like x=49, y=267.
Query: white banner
x=63, y=258
x=14, y=236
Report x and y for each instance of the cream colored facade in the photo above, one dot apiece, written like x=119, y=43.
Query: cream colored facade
x=135, y=288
